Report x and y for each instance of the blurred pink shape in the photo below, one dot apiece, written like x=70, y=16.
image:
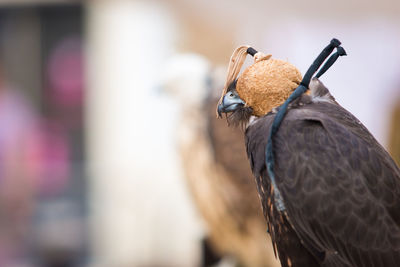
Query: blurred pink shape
x=65, y=72
x=48, y=158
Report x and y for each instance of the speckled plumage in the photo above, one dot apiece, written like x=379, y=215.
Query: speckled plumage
x=340, y=187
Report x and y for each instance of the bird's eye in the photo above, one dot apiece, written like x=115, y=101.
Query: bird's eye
x=231, y=95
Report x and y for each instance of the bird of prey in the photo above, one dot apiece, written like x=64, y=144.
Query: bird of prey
x=216, y=170
x=334, y=199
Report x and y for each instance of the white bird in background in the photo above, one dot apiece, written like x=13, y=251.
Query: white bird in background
x=215, y=166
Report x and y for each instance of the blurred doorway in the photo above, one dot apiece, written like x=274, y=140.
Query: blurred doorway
x=41, y=113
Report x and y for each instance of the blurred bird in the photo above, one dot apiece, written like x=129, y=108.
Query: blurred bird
x=394, y=134
x=215, y=165
x=333, y=197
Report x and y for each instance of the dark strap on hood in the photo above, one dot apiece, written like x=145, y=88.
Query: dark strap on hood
x=303, y=87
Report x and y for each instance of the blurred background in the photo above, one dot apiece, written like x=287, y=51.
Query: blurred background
x=90, y=173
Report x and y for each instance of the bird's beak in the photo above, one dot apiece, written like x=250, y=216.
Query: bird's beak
x=230, y=102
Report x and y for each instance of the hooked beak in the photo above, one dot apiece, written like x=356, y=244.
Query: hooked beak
x=230, y=102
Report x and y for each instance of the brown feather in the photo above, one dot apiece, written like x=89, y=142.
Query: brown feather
x=340, y=187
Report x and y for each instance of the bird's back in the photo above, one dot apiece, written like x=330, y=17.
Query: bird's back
x=341, y=189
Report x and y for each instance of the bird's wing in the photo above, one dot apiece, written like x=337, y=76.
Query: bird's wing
x=341, y=189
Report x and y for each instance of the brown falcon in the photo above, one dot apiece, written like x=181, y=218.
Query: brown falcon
x=331, y=195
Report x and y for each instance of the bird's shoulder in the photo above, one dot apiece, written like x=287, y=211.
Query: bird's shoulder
x=323, y=122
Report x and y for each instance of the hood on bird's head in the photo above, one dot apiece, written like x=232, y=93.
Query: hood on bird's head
x=263, y=85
